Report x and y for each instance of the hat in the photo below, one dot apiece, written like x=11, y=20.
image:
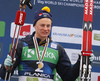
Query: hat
x=43, y=13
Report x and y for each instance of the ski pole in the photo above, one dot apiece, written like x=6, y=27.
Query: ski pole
x=20, y=18
x=7, y=68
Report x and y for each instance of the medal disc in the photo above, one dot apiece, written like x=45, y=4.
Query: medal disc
x=40, y=65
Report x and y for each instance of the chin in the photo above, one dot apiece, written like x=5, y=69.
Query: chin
x=44, y=36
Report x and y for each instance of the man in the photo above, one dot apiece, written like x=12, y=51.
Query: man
x=37, y=56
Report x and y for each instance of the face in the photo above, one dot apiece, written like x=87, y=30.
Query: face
x=43, y=28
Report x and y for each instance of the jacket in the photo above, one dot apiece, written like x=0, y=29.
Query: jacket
x=58, y=60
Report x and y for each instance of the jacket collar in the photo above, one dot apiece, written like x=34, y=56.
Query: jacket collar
x=39, y=40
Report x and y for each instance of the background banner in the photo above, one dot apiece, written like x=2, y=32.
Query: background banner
x=66, y=28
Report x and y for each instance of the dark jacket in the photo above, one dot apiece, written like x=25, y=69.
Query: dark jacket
x=63, y=66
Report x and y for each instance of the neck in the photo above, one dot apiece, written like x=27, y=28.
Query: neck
x=41, y=38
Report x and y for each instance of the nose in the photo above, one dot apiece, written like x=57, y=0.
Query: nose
x=45, y=28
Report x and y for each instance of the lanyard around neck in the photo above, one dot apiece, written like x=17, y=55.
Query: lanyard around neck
x=37, y=48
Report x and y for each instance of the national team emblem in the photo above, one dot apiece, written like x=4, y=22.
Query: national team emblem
x=40, y=14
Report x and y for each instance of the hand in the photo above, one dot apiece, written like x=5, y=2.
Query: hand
x=91, y=57
x=26, y=2
x=8, y=61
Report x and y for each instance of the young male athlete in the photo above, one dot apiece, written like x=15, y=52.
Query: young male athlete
x=37, y=56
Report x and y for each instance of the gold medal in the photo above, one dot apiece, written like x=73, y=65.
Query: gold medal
x=40, y=65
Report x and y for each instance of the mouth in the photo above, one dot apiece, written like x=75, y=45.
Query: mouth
x=45, y=32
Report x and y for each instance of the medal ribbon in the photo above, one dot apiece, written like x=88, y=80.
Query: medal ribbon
x=37, y=48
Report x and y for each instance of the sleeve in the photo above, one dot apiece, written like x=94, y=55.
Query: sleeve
x=18, y=58
x=64, y=68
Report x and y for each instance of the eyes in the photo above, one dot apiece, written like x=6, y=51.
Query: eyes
x=45, y=25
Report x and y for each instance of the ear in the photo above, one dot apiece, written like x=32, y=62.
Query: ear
x=34, y=26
